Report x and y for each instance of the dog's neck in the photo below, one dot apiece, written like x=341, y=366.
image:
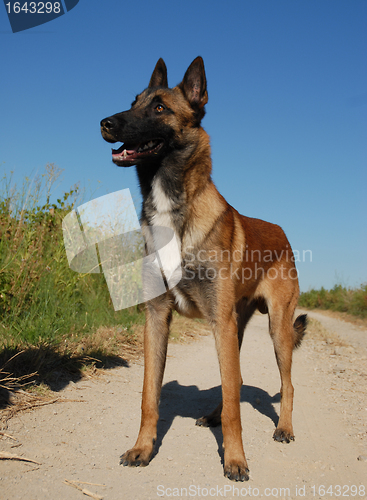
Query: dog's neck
x=169, y=187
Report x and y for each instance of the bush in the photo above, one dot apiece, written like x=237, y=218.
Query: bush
x=339, y=298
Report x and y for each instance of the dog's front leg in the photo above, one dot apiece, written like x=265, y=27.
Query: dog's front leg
x=158, y=317
x=235, y=464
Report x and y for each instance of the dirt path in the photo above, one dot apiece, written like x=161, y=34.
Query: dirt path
x=82, y=441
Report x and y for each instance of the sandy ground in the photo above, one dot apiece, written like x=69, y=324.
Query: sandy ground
x=82, y=441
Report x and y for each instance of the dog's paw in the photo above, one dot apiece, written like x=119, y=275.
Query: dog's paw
x=237, y=471
x=209, y=421
x=136, y=458
x=283, y=436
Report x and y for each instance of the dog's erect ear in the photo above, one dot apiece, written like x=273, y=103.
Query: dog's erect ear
x=193, y=84
x=159, y=76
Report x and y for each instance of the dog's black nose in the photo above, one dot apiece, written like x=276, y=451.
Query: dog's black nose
x=108, y=123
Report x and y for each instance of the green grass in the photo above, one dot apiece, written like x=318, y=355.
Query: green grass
x=41, y=298
x=55, y=324
x=339, y=298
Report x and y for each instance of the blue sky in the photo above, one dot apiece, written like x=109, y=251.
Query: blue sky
x=287, y=85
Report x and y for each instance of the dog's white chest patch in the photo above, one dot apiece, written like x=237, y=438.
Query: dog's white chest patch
x=163, y=205
x=170, y=254
x=161, y=201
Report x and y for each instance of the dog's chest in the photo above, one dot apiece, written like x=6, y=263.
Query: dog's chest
x=162, y=207
x=167, y=212
x=163, y=236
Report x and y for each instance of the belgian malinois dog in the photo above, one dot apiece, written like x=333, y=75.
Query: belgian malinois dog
x=231, y=265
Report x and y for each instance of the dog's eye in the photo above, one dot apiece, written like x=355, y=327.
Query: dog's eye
x=159, y=108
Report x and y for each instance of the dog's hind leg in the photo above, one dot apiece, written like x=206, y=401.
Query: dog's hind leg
x=286, y=336
x=158, y=318
x=244, y=310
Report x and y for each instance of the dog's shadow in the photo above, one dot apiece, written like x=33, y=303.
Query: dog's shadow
x=189, y=401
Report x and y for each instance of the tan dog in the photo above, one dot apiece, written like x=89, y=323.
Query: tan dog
x=231, y=264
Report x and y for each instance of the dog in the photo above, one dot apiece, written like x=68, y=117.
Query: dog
x=231, y=265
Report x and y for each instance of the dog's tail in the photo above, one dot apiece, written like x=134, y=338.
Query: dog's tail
x=299, y=327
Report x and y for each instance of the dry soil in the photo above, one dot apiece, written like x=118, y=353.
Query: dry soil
x=81, y=441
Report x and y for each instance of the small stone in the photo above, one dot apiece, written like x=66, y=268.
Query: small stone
x=339, y=369
x=362, y=458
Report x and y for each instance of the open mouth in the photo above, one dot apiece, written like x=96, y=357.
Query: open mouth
x=128, y=154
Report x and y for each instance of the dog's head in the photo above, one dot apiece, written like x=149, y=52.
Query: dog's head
x=160, y=119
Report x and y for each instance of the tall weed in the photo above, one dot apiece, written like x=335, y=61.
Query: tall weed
x=41, y=298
